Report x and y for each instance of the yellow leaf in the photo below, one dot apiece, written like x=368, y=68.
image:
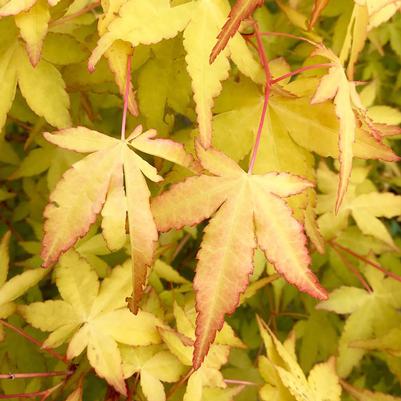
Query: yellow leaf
x=324, y=382
x=152, y=387
x=33, y=26
x=114, y=212
x=105, y=181
x=14, y=7
x=8, y=82
x=19, y=284
x=92, y=317
x=77, y=283
x=4, y=257
x=127, y=328
x=44, y=90
x=360, y=394
x=143, y=22
x=104, y=356
x=75, y=202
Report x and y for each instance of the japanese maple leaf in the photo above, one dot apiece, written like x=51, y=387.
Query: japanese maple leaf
x=362, y=202
x=335, y=85
x=93, y=316
x=379, y=11
x=285, y=378
x=111, y=180
x=241, y=206
x=150, y=21
x=42, y=87
x=180, y=344
x=318, y=7
x=241, y=10
x=371, y=314
x=17, y=285
x=32, y=18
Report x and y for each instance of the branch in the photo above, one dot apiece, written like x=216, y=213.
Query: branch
x=13, y=376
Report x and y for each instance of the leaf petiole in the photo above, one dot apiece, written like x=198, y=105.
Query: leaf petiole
x=300, y=70
x=126, y=94
x=265, y=63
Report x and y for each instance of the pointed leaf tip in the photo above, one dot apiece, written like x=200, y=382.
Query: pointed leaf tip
x=241, y=10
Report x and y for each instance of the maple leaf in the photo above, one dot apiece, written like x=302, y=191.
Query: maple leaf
x=144, y=22
x=42, y=87
x=242, y=205
x=335, y=85
x=285, y=378
x=241, y=10
x=362, y=202
x=116, y=186
x=371, y=314
x=93, y=316
x=360, y=394
x=180, y=344
x=17, y=285
x=379, y=11
x=318, y=7
x=32, y=18
x=155, y=365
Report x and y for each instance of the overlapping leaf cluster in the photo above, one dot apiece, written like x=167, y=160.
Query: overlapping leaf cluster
x=186, y=183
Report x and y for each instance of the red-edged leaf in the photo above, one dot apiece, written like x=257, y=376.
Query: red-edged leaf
x=236, y=200
x=318, y=7
x=97, y=182
x=241, y=10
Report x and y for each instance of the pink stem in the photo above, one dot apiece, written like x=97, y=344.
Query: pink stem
x=70, y=17
x=300, y=70
x=367, y=261
x=43, y=393
x=34, y=341
x=353, y=270
x=126, y=94
x=13, y=376
x=265, y=64
x=285, y=35
x=243, y=382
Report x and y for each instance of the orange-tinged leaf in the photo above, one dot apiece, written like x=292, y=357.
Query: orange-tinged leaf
x=288, y=252
x=190, y=202
x=238, y=202
x=14, y=7
x=117, y=56
x=114, y=212
x=142, y=228
x=318, y=7
x=241, y=10
x=143, y=22
x=33, y=25
x=80, y=139
x=112, y=178
x=165, y=148
x=361, y=394
x=335, y=86
x=75, y=203
x=228, y=247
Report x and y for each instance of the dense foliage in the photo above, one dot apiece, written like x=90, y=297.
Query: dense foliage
x=200, y=200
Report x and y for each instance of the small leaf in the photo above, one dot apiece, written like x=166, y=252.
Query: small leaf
x=33, y=26
x=241, y=10
x=318, y=7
